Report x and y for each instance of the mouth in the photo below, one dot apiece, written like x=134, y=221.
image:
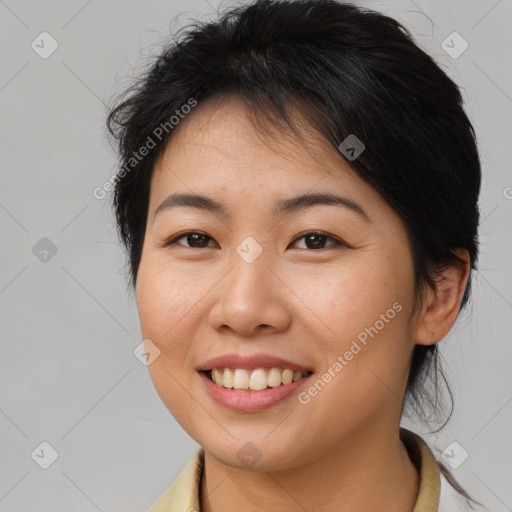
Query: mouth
x=254, y=380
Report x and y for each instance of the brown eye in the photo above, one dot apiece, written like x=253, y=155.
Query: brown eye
x=194, y=239
x=317, y=240
x=313, y=240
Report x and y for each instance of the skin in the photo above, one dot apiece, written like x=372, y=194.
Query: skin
x=341, y=451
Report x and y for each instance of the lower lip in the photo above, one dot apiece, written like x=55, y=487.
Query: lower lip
x=247, y=401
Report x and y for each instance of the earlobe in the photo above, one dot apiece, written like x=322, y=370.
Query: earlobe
x=442, y=304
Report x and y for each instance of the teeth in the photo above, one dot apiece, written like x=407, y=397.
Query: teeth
x=255, y=380
x=297, y=374
x=287, y=376
x=274, y=377
x=258, y=379
x=241, y=379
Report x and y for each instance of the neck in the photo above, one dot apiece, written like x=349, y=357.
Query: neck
x=369, y=471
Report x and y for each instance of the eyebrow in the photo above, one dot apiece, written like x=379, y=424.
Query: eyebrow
x=285, y=206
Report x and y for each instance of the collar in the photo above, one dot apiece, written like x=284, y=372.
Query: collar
x=185, y=492
x=430, y=478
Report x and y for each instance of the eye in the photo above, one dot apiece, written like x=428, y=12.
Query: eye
x=316, y=240
x=313, y=240
x=195, y=239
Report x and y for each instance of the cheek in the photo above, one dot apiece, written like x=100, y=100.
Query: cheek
x=162, y=302
x=162, y=307
x=363, y=310
x=171, y=301
x=351, y=297
x=164, y=291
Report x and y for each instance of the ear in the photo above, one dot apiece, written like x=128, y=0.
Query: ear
x=442, y=304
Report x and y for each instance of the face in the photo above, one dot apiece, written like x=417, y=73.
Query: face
x=328, y=287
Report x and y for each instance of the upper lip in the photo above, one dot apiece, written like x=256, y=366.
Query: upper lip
x=250, y=362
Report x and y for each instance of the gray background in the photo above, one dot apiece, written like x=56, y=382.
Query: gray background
x=68, y=375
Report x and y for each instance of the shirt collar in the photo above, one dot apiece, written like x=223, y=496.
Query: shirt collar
x=185, y=492
x=425, y=462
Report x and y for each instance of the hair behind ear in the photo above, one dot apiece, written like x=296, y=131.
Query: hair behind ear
x=456, y=485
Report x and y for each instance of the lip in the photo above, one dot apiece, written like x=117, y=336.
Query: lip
x=251, y=363
x=250, y=401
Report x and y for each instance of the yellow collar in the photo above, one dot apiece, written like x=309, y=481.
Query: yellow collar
x=430, y=478
x=184, y=493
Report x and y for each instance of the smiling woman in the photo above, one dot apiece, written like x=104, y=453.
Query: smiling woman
x=299, y=243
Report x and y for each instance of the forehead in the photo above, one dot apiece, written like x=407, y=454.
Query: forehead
x=226, y=129
x=222, y=149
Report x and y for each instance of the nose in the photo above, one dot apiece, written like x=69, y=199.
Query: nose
x=251, y=299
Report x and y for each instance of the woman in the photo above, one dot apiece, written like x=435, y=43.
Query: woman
x=297, y=195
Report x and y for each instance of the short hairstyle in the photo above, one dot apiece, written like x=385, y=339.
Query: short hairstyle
x=348, y=71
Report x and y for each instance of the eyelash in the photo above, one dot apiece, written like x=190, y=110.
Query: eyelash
x=336, y=241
